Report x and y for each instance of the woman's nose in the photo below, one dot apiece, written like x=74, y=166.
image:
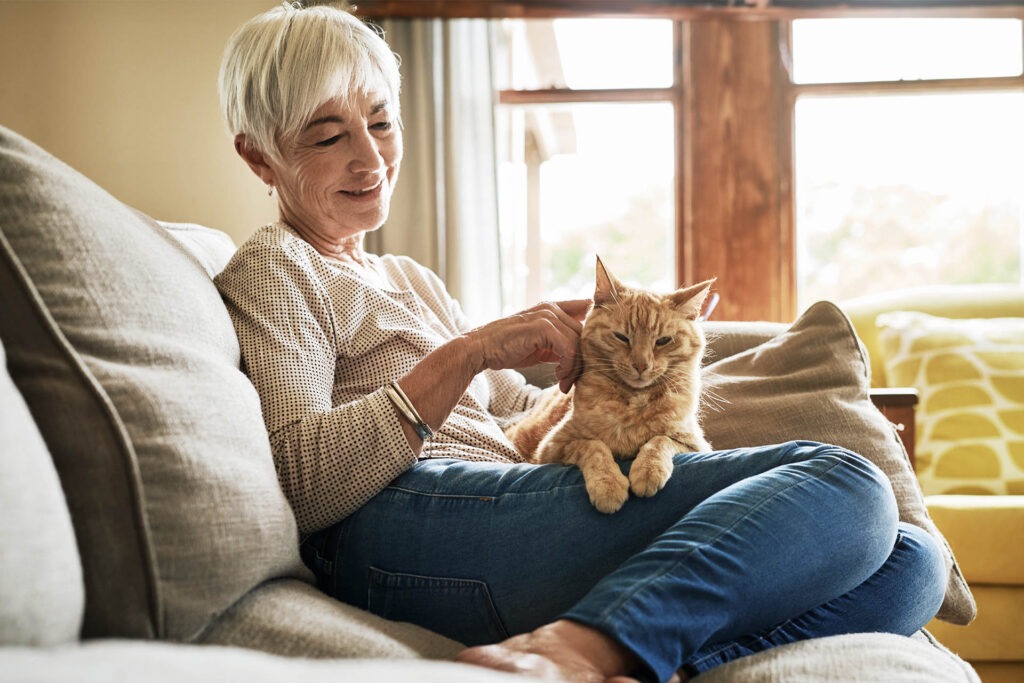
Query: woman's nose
x=365, y=153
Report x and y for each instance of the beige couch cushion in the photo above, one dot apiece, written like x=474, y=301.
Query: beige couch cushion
x=42, y=597
x=112, y=661
x=861, y=657
x=294, y=619
x=812, y=382
x=130, y=366
x=874, y=657
x=211, y=248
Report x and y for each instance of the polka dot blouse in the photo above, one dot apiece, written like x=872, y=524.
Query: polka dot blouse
x=320, y=339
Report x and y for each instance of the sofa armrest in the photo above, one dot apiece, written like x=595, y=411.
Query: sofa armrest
x=898, y=404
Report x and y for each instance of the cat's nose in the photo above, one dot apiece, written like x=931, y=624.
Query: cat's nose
x=640, y=366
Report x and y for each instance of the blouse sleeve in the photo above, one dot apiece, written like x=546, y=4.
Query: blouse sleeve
x=330, y=459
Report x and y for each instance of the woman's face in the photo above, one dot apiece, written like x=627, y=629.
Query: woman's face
x=335, y=178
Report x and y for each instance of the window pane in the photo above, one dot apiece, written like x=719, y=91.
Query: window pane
x=585, y=53
x=903, y=191
x=852, y=50
x=580, y=181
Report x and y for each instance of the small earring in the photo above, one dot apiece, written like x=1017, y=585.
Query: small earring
x=270, y=190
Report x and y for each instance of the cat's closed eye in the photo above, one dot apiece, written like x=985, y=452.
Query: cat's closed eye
x=661, y=341
x=621, y=337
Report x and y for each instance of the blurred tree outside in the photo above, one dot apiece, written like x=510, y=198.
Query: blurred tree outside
x=857, y=240
x=635, y=246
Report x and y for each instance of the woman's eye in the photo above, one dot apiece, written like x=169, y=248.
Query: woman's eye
x=622, y=338
x=661, y=341
x=382, y=126
x=329, y=141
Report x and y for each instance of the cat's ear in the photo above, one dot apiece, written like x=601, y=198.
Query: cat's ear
x=689, y=301
x=607, y=289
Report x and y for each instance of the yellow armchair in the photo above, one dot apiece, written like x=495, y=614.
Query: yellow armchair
x=985, y=531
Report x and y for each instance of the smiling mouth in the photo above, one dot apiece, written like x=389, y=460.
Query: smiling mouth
x=364, y=191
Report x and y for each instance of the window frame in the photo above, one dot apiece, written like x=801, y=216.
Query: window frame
x=734, y=103
x=794, y=91
x=672, y=94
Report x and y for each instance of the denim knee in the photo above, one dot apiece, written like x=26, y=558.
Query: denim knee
x=925, y=575
x=869, y=484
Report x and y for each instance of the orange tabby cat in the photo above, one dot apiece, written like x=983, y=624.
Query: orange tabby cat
x=638, y=395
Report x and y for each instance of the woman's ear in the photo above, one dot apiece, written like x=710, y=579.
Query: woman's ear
x=256, y=160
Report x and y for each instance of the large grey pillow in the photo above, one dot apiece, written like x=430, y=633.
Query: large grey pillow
x=130, y=365
x=812, y=382
x=42, y=597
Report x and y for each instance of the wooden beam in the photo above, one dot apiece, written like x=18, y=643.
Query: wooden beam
x=943, y=85
x=740, y=224
x=713, y=9
x=570, y=96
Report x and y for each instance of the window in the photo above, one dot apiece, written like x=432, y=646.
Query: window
x=792, y=142
x=909, y=156
x=587, y=155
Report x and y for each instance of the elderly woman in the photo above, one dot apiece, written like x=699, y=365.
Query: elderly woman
x=385, y=413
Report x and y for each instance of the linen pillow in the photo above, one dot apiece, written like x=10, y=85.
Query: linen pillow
x=812, y=382
x=128, y=361
x=42, y=597
x=969, y=374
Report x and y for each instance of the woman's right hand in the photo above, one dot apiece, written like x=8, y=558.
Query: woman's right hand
x=548, y=332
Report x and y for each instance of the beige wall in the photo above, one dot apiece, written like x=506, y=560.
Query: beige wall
x=126, y=92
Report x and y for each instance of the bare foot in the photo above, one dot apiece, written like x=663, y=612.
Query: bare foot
x=562, y=651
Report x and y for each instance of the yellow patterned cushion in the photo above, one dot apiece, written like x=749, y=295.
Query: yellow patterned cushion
x=970, y=419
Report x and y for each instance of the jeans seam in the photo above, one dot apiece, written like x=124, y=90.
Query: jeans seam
x=465, y=496
x=716, y=654
x=481, y=585
x=338, y=547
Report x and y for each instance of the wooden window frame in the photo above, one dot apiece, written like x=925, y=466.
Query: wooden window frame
x=743, y=11
x=733, y=103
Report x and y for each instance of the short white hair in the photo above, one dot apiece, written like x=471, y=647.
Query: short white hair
x=281, y=66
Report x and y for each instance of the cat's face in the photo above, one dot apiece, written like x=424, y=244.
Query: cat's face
x=640, y=338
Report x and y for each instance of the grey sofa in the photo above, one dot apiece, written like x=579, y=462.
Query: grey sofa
x=144, y=534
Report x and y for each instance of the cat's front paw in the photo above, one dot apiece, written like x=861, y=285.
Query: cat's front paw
x=693, y=443
x=649, y=475
x=652, y=467
x=608, y=491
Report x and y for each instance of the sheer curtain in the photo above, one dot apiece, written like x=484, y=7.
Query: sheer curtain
x=444, y=211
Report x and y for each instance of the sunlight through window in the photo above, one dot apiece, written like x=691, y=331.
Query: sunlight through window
x=907, y=189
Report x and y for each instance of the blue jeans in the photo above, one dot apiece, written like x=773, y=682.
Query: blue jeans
x=741, y=551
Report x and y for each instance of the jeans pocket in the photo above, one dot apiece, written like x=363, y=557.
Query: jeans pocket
x=460, y=609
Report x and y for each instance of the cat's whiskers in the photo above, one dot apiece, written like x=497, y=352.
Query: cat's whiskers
x=711, y=398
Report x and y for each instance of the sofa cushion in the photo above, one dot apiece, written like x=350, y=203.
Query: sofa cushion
x=108, y=661
x=211, y=248
x=812, y=382
x=952, y=301
x=987, y=535
x=969, y=374
x=838, y=659
x=129, y=363
x=996, y=633
x=42, y=597
x=295, y=619
x=852, y=657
